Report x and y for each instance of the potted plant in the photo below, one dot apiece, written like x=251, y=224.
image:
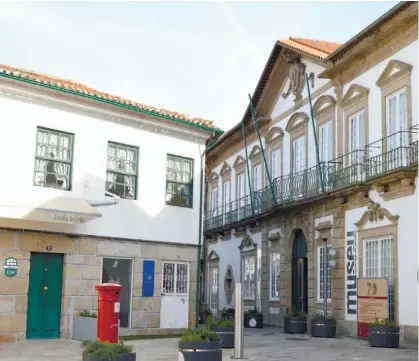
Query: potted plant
x=228, y=313
x=203, y=314
x=322, y=326
x=253, y=318
x=225, y=329
x=85, y=326
x=104, y=351
x=200, y=345
x=384, y=334
x=296, y=322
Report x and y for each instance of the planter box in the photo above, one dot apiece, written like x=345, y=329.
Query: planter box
x=384, y=336
x=325, y=328
x=253, y=320
x=124, y=357
x=200, y=351
x=227, y=336
x=85, y=328
x=295, y=324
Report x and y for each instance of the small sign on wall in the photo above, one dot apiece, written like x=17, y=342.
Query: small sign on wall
x=148, y=278
x=10, y=267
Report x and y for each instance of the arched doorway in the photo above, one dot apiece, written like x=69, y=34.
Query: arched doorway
x=299, y=273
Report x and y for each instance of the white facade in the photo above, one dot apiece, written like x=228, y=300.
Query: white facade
x=147, y=217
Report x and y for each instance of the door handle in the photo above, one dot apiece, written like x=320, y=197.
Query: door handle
x=45, y=290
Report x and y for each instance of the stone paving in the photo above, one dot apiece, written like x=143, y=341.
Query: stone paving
x=260, y=345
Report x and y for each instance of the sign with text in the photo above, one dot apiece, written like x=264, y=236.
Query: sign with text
x=372, y=303
x=350, y=277
x=10, y=267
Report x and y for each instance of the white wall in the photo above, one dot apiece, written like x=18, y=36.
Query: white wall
x=146, y=218
x=407, y=252
x=230, y=254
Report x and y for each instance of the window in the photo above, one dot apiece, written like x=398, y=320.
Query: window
x=214, y=201
x=257, y=177
x=326, y=141
x=179, y=181
x=53, y=159
x=276, y=163
x=240, y=189
x=378, y=263
x=226, y=196
x=320, y=275
x=299, y=156
x=396, y=113
x=249, y=273
x=121, y=170
x=357, y=137
x=214, y=288
x=274, y=276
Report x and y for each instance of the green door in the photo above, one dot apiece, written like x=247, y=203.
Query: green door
x=44, y=296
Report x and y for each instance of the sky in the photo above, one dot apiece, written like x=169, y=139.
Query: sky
x=197, y=58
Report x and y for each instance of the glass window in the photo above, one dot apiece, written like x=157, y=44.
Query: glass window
x=326, y=142
x=179, y=181
x=320, y=275
x=276, y=163
x=299, y=156
x=274, y=275
x=240, y=189
x=53, y=159
x=226, y=196
x=121, y=170
x=396, y=112
x=214, y=289
x=248, y=278
x=257, y=177
x=357, y=137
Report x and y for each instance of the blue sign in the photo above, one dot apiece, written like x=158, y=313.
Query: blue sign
x=148, y=278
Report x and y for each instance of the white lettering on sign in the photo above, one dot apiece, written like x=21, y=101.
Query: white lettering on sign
x=68, y=218
x=116, y=307
x=351, y=278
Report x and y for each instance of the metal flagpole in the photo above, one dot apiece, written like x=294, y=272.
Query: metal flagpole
x=255, y=121
x=315, y=135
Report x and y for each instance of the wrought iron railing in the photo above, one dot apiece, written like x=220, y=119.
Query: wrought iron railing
x=395, y=151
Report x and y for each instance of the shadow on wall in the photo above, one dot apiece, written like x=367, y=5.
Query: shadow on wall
x=127, y=219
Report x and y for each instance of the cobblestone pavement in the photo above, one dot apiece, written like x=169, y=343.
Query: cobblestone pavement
x=260, y=345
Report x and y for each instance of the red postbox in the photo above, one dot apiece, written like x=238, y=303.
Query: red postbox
x=108, y=312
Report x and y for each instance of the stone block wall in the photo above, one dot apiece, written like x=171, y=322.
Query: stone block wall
x=82, y=270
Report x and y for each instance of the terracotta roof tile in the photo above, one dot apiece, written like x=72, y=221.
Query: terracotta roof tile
x=84, y=89
x=316, y=48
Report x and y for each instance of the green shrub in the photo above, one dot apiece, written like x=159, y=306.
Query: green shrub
x=105, y=350
x=199, y=335
x=383, y=322
x=87, y=313
x=226, y=323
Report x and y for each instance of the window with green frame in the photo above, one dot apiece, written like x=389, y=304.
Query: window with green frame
x=53, y=158
x=122, y=170
x=179, y=181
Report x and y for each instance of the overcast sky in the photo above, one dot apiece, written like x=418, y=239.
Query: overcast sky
x=198, y=58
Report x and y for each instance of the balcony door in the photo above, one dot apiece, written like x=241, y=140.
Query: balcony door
x=299, y=273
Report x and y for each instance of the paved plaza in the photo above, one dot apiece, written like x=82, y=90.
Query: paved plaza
x=261, y=345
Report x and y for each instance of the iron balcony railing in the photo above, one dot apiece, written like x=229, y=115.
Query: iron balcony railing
x=349, y=169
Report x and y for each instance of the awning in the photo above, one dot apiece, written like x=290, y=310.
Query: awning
x=58, y=210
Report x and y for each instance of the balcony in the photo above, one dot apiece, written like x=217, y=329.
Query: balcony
x=396, y=152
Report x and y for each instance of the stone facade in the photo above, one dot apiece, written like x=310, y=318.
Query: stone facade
x=82, y=271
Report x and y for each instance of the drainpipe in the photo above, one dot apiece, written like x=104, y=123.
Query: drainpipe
x=198, y=277
x=107, y=202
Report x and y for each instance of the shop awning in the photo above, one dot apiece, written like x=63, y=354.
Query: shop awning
x=58, y=210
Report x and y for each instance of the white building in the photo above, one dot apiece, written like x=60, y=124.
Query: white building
x=364, y=96
x=93, y=185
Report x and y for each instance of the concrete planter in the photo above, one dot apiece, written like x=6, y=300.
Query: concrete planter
x=295, y=324
x=200, y=351
x=384, y=336
x=85, y=328
x=226, y=334
x=253, y=320
x=321, y=327
x=123, y=357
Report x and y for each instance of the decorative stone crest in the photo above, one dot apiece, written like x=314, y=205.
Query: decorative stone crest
x=297, y=77
x=229, y=284
x=324, y=228
x=247, y=242
x=375, y=213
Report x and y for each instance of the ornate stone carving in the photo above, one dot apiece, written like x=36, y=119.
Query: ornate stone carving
x=274, y=236
x=229, y=284
x=324, y=228
x=297, y=77
x=374, y=214
x=247, y=242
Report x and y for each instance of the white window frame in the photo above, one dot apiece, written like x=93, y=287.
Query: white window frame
x=247, y=284
x=274, y=285
x=299, y=155
x=214, y=201
x=175, y=280
x=396, y=143
x=226, y=196
x=257, y=177
x=213, y=295
x=379, y=258
x=320, y=276
x=276, y=163
x=326, y=145
x=241, y=188
x=359, y=148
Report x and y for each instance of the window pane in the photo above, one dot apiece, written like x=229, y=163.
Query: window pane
x=179, y=179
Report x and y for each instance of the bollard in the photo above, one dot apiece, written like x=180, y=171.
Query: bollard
x=239, y=325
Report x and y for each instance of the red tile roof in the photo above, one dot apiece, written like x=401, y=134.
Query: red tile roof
x=316, y=48
x=63, y=84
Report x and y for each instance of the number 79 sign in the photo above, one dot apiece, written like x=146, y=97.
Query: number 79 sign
x=10, y=267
